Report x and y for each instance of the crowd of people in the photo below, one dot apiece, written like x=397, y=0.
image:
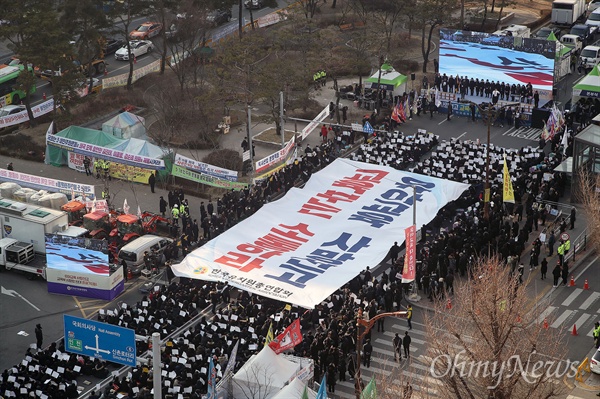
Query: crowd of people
x=330, y=329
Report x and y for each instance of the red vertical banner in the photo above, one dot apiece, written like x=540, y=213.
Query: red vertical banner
x=410, y=257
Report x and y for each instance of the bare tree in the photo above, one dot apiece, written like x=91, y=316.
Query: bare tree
x=589, y=194
x=429, y=15
x=484, y=347
x=259, y=381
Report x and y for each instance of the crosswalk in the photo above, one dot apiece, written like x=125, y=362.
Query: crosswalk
x=415, y=370
x=526, y=133
x=581, y=308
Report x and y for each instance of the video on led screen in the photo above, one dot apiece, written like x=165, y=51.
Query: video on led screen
x=77, y=254
x=508, y=59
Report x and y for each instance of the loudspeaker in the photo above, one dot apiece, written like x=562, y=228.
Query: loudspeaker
x=413, y=76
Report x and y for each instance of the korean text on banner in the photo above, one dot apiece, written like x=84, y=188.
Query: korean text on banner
x=315, y=122
x=109, y=154
x=304, y=246
x=410, y=257
x=275, y=158
x=202, y=178
x=205, y=168
x=22, y=117
x=43, y=183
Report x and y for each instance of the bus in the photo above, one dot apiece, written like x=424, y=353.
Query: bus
x=9, y=94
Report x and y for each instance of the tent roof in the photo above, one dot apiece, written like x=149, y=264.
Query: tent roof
x=278, y=369
x=552, y=37
x=294, y=390
x=139, y=147
x=389, y=76
x=91, y=136
x=124, y=119
x=591, y=82
x=100, y=138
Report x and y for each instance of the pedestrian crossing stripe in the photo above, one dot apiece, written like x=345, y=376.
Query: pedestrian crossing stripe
x=559, y=321
x=591, y=299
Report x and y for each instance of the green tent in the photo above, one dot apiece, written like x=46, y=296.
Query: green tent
x=589, y=86
x=58, y=157
x=390, y=79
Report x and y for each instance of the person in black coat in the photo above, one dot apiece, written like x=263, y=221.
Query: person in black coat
x=152, y=181
x=162, y=206
x=544, y=268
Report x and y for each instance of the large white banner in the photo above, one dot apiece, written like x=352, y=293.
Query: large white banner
x=205, y=168
x=303, y=247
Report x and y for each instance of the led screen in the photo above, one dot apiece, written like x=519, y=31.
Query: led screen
x=508, y=59
x=83, y=255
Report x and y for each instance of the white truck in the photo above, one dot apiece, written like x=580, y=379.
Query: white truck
x=567, y=12
x=590, y=56
x=30, y=223
x=515, y=31
x=21, y=256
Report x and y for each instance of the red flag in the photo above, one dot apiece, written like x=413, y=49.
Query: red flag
x=289, y=338
x=410, y=257
x=401, y=112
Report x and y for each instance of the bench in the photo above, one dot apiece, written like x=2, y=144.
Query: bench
x=346, y=27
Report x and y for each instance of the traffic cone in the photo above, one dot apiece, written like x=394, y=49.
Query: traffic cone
x=585, y=285
x=519, y=319
x=105, y=72
x=44, y=96
x=574, y=332
x=449, y=304
x=135, y=60
x=129, y=275
x=546, y=324
x=572, y=283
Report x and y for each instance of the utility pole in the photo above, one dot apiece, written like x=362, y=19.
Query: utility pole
x=281, y=122
x=156, y=369
x=249, y=136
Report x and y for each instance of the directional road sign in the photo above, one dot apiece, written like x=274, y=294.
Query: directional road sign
x=100, y=340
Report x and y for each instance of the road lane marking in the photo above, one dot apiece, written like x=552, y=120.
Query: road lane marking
x=557, y=323
x=545, y=314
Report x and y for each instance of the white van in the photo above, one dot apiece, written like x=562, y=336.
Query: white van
x=590, y=56
x=133, y=253
x=572, y=41
x=593, y=19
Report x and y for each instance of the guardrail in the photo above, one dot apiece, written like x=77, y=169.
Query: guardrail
x=578, y=245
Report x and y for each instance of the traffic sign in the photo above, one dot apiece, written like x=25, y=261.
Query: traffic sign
x=565, y=236
x=100, y=340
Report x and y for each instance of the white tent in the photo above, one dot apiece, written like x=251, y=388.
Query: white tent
x=125, y=125
x=294, y=390
x=140, y=147
x=263, y=375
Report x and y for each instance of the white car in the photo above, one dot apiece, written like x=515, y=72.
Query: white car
x=138, y=47
x=11, y=110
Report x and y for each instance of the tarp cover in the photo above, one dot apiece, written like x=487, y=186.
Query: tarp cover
x=303, y=247
x=125, y=125
x=263, y=375
x=140, y=147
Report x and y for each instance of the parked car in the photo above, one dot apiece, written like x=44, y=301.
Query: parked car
x=544, y=32
x=595, y=362
x=11, y=109
x=146, y=31
x=584, y=32
x=112, y=45
x=138, y=47
x=218, y=17
x=592, y=5
x=254, y=4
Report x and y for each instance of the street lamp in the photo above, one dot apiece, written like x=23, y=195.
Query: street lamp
x=367, y=324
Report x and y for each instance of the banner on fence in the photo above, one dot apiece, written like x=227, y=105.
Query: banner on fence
x=205, y=168
x=315, y=122
x=44, y=183
x=22, y=117
x=121, y=80
x=209, y=180
x=277, y=157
